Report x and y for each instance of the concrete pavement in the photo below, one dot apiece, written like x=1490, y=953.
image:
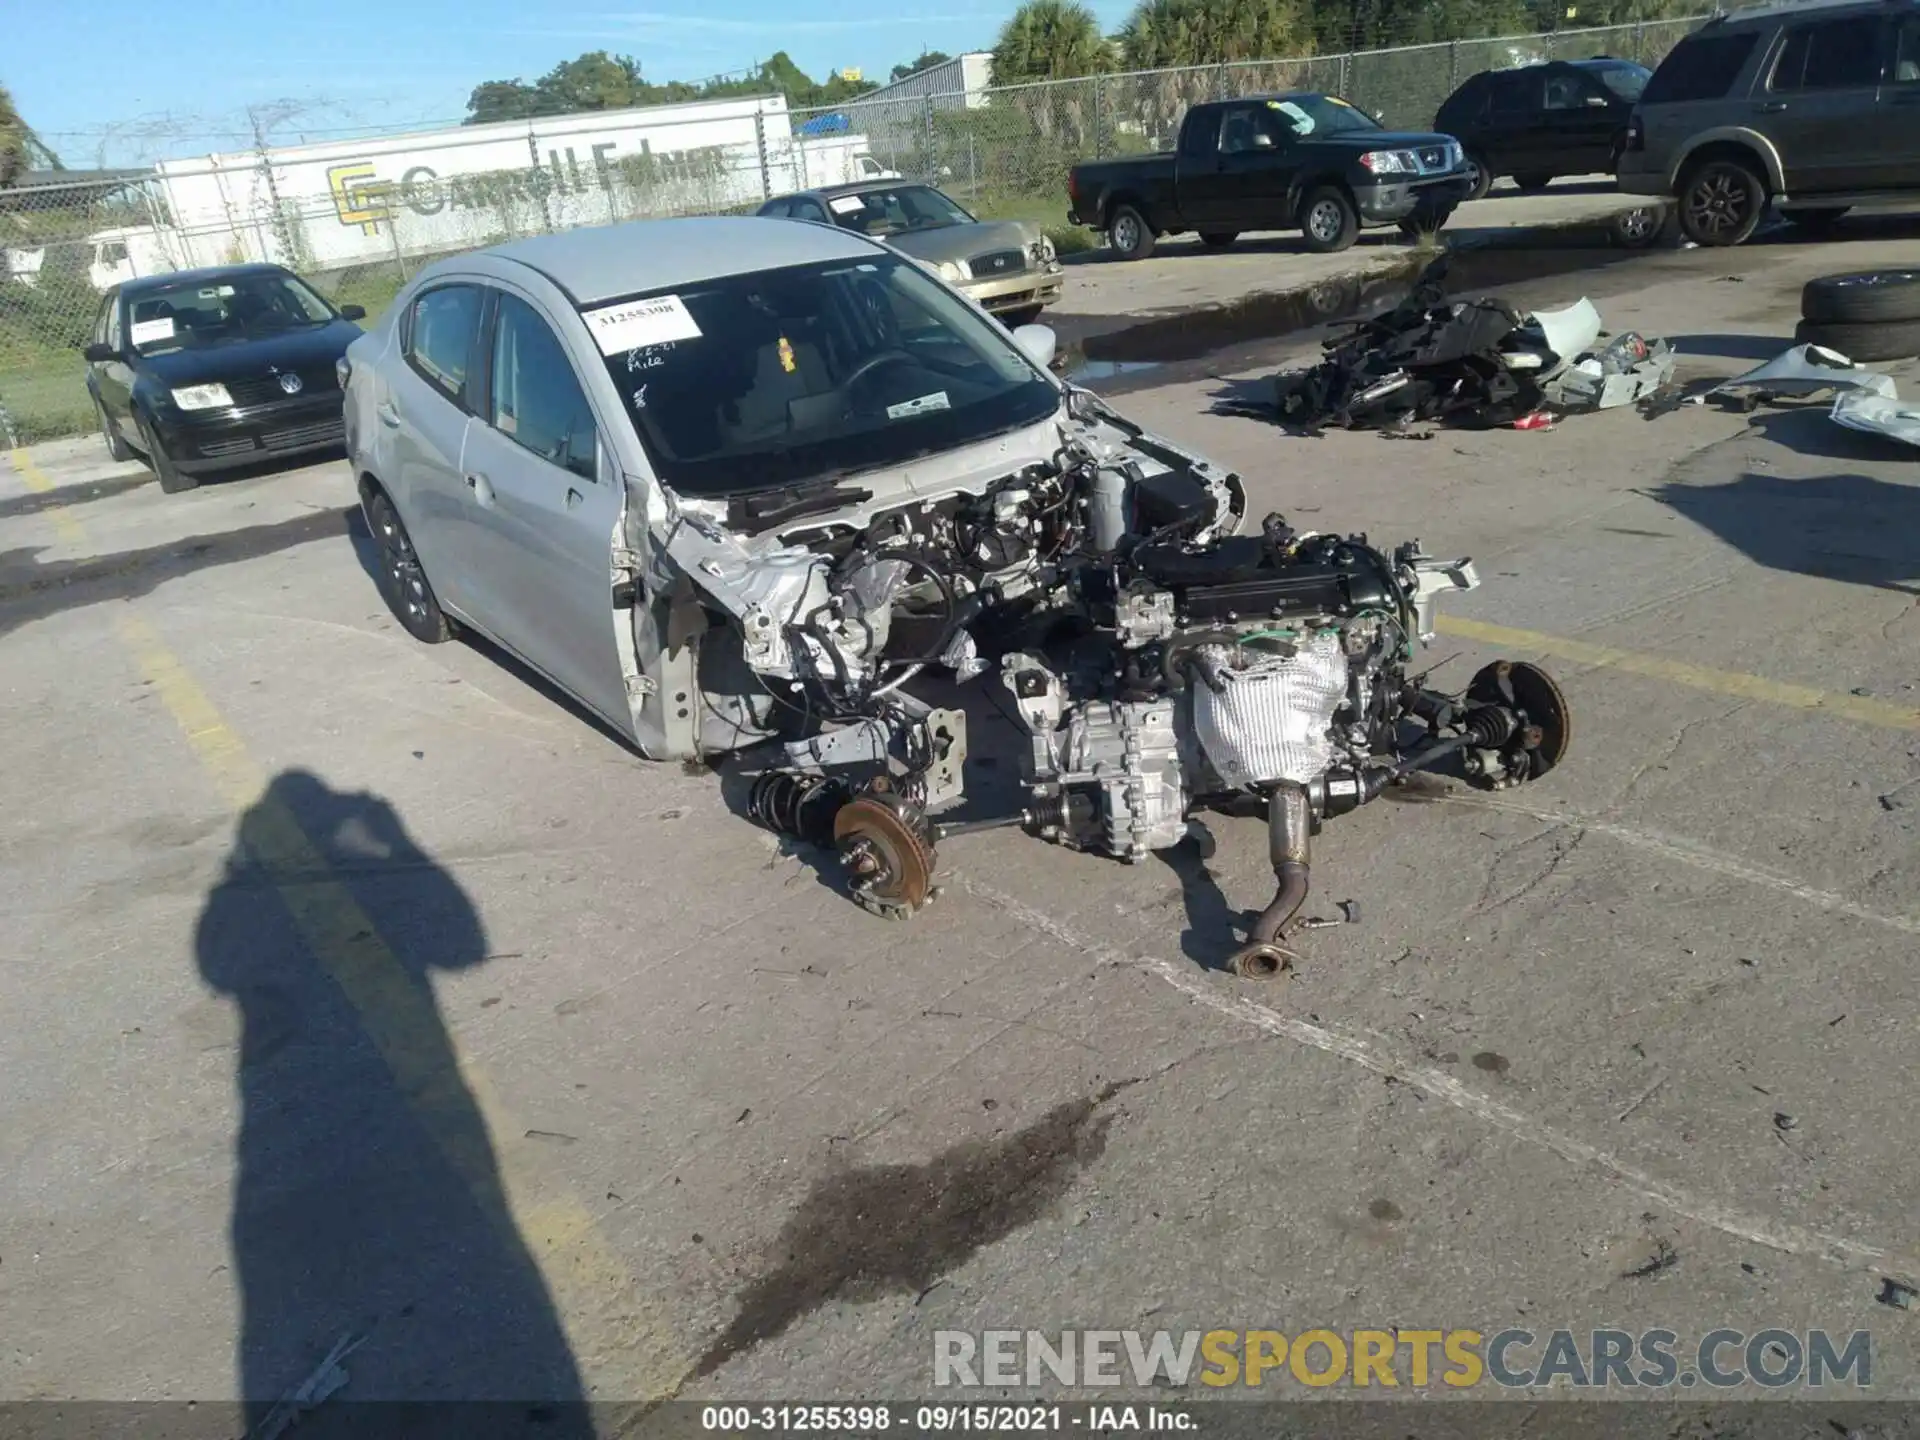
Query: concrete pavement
x=360, y=988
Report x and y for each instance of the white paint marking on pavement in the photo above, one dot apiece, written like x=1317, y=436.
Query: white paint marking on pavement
x=1688, y=852
x=1757, y=1229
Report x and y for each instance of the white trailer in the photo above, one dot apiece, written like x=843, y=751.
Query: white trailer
x=343, y=203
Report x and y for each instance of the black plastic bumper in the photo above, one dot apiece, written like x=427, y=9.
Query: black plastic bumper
x=198, y=441
x=1385, y=202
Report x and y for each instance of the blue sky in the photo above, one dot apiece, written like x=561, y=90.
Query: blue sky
x=131, y=79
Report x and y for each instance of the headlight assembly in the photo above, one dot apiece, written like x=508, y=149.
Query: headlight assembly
x=202, y=397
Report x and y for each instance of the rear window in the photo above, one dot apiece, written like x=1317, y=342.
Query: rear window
x=1700, y=67
x=1629, y=82
x=1830, y=55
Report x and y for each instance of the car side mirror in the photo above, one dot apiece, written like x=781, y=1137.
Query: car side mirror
x=98, y=352
x=1037, y=343
x=353, y=312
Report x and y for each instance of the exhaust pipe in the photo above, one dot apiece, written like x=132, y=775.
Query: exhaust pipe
x=1289, y=844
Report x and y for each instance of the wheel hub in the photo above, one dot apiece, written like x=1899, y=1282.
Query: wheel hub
x=883, y=843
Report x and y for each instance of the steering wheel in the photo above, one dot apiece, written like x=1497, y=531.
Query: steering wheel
x=872, y=363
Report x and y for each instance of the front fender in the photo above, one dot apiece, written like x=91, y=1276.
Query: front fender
x=1742, y=136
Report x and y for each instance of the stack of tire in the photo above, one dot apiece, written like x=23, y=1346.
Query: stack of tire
x=1865, y=315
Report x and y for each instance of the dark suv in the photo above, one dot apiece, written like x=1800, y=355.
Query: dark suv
x=1539, y=122
x=1814, y=107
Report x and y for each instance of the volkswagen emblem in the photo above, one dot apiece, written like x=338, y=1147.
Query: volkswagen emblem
x=291, y=384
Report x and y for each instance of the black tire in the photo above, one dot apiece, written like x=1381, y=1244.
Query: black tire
x=1896, y=340
x=173, y=480
x=1129, y=234
x=403, y=583
x=1218, y=239
x=1721, y=202
x=1815, y=222
x=1328, y=221
x=1482, y=176
x=1863, y=297
x=1533, y=182
x=1639, y=227
x=117, y=447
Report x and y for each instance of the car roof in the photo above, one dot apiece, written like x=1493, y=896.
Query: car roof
x=857, y=187
x=1770, y=10
x=605, y=262
x=211, y=275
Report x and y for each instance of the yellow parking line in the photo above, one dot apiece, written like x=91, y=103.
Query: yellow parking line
x=64, y=525
x=625, y=1350
x=1679, y=672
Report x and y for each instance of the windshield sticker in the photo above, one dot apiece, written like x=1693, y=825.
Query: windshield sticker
x=145, y=332
x=926, y=404
x=648, y=357
x=1302, y=122
x=846, y=204
x=640, y=323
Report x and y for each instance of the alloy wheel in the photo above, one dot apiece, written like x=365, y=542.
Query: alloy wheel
x=1717, y=203
x=403, y=566
x=1324, y=221
x=1126, y=233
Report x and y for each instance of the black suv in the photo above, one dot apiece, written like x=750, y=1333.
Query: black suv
x=1814, y=107
x=1539, y=122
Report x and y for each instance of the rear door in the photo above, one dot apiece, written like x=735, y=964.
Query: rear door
x=427, y=411
x=546, y=509
x=1899, y=110
x=1820, y=100
x=1515, y=143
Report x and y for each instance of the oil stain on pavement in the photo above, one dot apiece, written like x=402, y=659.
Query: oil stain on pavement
x=896, y=1229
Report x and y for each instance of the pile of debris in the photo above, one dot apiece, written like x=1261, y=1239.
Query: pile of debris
x=1474, y=362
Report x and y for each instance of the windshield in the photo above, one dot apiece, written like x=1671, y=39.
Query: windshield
x=1321, y=115
x=895, y=211
x=1626, y=81
x=201, y=313
x=782, y=377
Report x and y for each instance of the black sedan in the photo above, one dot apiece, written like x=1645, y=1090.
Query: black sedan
x=201, y=369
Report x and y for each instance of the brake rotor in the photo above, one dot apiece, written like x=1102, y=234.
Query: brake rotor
x=889, y=858
x=1546, y=721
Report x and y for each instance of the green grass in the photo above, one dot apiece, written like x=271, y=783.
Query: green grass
x=44, y=391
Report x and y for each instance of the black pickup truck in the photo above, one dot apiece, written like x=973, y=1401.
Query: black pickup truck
x=1302, y=161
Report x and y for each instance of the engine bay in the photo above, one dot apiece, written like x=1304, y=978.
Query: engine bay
x=1158, y=659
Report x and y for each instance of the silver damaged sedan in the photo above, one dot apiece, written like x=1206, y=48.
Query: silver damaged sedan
x=740, y=484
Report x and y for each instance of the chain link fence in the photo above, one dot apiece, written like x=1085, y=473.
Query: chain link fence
x=359, y=231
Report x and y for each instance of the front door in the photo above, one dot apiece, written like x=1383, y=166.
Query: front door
x=1245, y=186
x=425, y=419
x=546, y=512
x=1898, y=120
x=113, y=379
x=1579, y=122
x=1820, y=101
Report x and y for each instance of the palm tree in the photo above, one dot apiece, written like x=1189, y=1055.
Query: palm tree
x=1050, y=40
x=13, y=140
x=1162, y=34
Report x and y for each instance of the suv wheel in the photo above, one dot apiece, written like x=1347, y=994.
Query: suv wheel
x=1721, y=202
x=1537, y=181
x=1481, y=174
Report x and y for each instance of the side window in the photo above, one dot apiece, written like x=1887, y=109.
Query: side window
x=440, y=333
x=1830, y=55
x=1243, y=130
x=1571, y=90
x=1906, y=52
x=1700, y=67
x=1200, y=133
x=115, y=333
x=104, y=319
x=537, y=402
x=1515, y=95
x=809, y=209
x=778, y=210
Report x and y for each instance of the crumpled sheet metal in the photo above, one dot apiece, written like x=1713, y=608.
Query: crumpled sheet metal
x=1804, y=370
x=1585, y=386
x=1878, y=414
